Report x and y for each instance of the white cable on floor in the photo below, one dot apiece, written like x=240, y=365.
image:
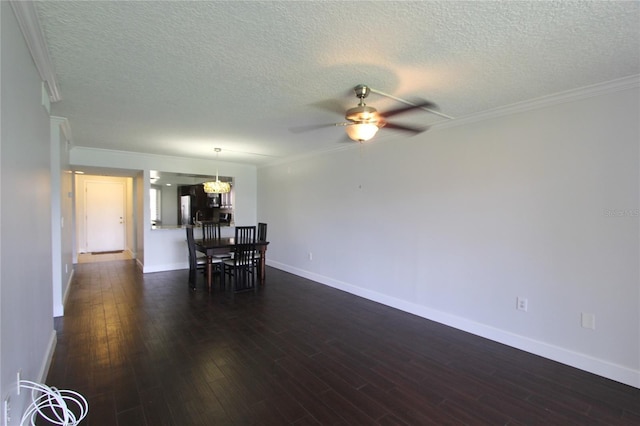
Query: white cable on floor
x=53, y=405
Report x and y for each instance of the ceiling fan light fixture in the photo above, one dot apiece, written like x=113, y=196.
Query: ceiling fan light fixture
x=361, y=132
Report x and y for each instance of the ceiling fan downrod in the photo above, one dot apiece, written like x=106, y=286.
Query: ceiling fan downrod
x=362, y=91
x=362, y=113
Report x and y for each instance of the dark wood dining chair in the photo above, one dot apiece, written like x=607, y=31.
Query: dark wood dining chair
x=262, y=231
x=262, y=237
x=245, y=235
x=242, y=266
x=197, y=261
x=241, y=269
x=210, y=230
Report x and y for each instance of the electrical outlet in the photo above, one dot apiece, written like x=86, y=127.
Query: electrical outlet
x=19, y=376
x=310, y=256
x=522, y=304
x=588, y=321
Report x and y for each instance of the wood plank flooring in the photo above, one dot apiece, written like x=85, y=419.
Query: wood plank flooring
x=147, y=351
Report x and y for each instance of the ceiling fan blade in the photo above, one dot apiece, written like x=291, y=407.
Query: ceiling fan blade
x=403, y=128
x=330, y=105
x=418, y=105
x=302, y=129
x=345, y=139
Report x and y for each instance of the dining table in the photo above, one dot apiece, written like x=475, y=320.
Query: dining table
x=223, y=245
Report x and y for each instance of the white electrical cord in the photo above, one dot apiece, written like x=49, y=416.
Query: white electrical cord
x=53, y=405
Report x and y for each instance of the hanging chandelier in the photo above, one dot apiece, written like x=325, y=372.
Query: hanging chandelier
x=217, y=187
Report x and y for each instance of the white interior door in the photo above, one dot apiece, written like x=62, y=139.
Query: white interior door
x=104, y=208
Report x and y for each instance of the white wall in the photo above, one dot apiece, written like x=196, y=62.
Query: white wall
x=26, y=302
x=62, y=216
x=455, y=223
x=162, y=250
x=130, y=209
x=139, y=197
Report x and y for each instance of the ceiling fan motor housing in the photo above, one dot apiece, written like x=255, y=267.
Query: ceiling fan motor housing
x=362, y=114
x=362, y=91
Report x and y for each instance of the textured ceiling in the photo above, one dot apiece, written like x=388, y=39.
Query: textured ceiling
x=180, y=78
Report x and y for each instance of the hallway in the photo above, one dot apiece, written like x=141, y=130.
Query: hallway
x=103, y=257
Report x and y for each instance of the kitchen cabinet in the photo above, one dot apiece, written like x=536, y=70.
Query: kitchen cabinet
x=207, y=206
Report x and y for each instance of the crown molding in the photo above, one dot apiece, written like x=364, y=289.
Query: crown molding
x=63, y=122
x=29, y=23
x=621, y=84
x=101, y=152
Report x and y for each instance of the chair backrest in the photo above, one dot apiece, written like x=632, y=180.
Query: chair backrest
x=262, y=231
x=245, y=235
x=244, y=255
x=192, y=248
x=210, y=230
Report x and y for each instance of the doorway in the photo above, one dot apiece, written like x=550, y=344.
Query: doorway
x=104, y=215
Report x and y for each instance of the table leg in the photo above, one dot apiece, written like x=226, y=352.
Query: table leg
x=209, y=272
x=262, y=266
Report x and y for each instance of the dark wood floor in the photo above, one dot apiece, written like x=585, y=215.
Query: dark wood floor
x=145, y=350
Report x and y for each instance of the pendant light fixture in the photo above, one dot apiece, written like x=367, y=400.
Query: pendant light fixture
x=217, y=187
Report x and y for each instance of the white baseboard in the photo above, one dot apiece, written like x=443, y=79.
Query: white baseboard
x=165, y=267
x=69, y=281
x=58, y=311
x=65, y=296
x=48, y=357
x=566, y=356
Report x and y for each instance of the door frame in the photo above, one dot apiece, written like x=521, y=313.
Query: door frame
x=80, y=211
